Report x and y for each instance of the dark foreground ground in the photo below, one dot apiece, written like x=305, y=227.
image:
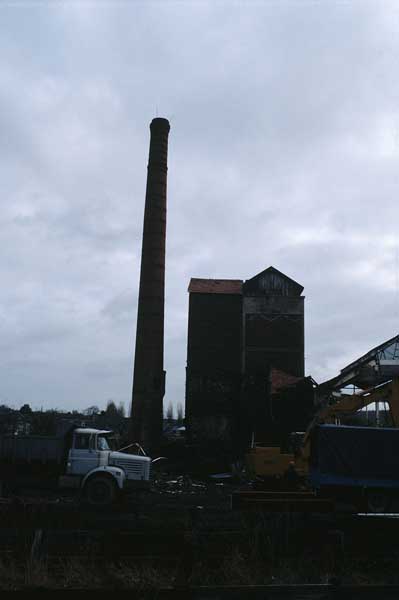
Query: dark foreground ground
x=185, y=540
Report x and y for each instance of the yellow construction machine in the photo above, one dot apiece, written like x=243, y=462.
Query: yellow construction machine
x=268, y=462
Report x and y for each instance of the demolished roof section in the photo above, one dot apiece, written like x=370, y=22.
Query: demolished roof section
x=373, y=368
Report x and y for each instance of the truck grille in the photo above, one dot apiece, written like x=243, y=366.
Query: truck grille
x=134, y=469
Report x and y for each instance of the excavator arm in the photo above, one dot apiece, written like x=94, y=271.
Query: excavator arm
x=349, y=404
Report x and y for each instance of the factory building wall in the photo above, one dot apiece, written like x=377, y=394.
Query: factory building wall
x=234, y=341
x=213, y=365
x=285, y=410
x=273, y=324
x=214, y=340
x=274, y=334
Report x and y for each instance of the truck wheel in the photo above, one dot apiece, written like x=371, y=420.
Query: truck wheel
x=377, y=501
x=100, y=491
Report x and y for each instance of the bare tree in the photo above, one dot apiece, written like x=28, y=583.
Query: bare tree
x=111, y=410
x=180, y=413
x=91, y=411
x=170, y=411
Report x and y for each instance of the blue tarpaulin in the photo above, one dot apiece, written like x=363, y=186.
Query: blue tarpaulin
x=357, y=456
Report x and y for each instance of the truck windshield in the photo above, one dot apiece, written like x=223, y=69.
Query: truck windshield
x=102, y=443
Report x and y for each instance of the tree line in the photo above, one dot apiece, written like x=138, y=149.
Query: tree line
x=170, y=412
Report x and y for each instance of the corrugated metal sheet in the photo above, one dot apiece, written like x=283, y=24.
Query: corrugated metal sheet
x=215, y=286
x=280, y=379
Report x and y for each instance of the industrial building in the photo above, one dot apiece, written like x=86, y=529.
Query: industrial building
x=245, y=359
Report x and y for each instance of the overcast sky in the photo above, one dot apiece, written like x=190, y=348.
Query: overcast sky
x=283, y=151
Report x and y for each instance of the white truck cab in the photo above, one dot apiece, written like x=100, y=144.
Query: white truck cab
x=101, y=472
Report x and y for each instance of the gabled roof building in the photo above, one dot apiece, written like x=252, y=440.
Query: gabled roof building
x=238, y=331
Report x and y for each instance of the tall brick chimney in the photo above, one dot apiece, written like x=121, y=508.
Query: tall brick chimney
x=149, y=374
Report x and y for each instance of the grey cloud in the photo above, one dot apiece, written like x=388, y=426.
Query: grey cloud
x=283, y=151
x=121, y=307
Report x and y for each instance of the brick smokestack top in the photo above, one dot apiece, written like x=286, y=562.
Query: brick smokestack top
x=149, y=374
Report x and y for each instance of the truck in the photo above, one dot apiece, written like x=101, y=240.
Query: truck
x=356, y=465
x=82, y=460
